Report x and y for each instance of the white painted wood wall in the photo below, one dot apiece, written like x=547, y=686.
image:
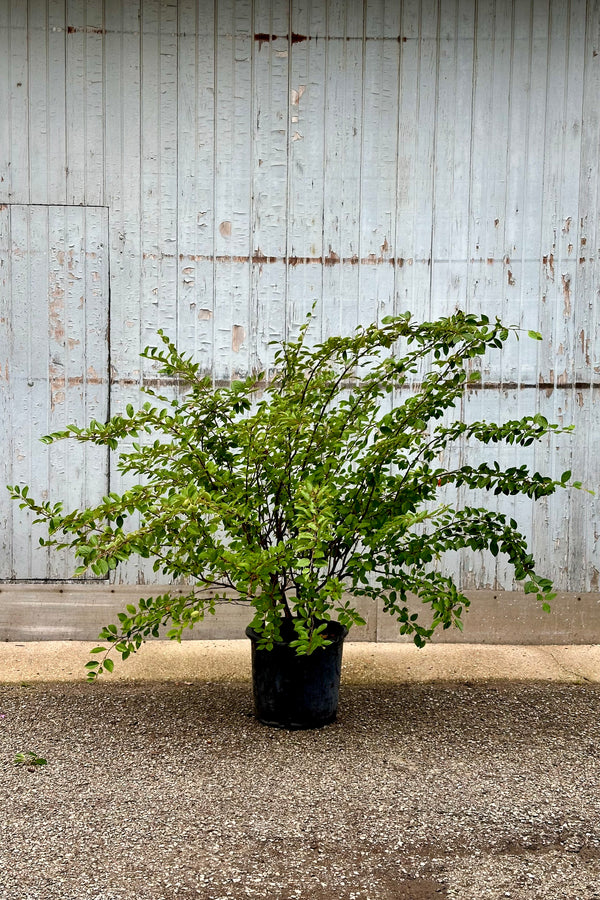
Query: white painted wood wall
x=212, y=169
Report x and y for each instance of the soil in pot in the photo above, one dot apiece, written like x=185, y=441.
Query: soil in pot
x=297, y=691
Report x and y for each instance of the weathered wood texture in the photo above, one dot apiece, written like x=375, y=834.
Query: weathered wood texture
x=257, y=155
x=53, y=369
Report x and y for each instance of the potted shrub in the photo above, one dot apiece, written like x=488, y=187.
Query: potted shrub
x=299, y=493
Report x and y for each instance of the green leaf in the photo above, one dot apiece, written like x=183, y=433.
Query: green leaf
x=29, y=758
x=109, y=665
x=100, y=567
x=535, y=335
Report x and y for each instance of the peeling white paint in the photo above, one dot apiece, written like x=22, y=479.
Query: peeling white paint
x=57, y=346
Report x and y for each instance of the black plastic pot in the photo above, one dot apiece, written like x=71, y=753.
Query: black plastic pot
x=297, y=691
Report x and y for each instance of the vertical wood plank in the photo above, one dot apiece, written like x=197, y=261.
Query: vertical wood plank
x=29, y=378
x=518, y=358
x=452, y=158
x=343, y=168
x=378, y=165
x=195, y=168
x=159, y=173
x=491, y=103
x=232, y=229
x=7, y=390
x=416, y=161
x=38, y=104
x=556, y=319
x=310, y=81
x=584, y=563
x=56, y=93
x=123, y=166
x=5, y=154
x=273, y=134
x=18, y=103
x=94, y=102
x=75, y=102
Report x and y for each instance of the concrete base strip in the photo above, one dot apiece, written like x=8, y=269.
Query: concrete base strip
x=76, y=612
x=364, y=662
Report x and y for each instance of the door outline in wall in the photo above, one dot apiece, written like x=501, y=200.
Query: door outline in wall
x=54, y=370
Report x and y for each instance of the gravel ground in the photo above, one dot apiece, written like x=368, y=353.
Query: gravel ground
x=419, y=792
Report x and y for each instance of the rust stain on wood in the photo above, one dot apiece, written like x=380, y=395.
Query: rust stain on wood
x=264, y=37
x=259, y=258
x=511, y=279
x=303, y=260
x=74, y=380
x=540, y=384
x=59, y=384
x=332, y=258
x=85, y=29
x=225, y=228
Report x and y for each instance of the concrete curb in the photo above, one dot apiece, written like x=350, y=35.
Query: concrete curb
x=364, y=662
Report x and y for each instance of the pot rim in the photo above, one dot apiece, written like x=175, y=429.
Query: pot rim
x=337, y=639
